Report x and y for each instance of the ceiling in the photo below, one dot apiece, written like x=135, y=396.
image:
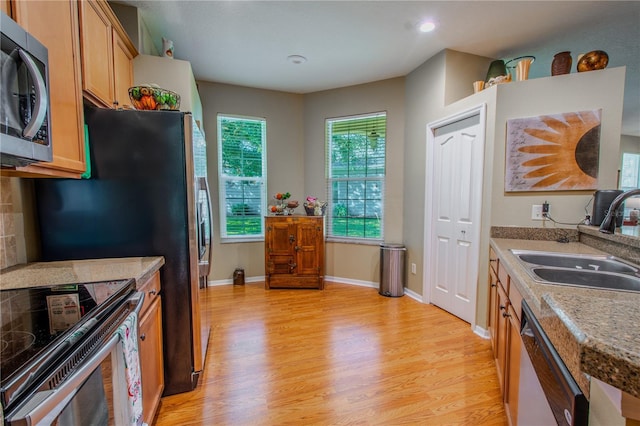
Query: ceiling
x=351, y=42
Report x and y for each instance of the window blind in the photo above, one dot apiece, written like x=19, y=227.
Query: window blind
x=356, y=167
x=241, y=175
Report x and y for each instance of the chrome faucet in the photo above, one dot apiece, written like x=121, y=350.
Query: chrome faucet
x=608, y=225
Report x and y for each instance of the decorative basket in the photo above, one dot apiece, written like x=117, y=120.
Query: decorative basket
x=311, y=210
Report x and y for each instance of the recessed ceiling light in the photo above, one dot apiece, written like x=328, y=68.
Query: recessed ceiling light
x=426, y=27
x=296, y=59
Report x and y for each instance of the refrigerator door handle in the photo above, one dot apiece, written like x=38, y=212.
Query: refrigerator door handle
x=203, y=185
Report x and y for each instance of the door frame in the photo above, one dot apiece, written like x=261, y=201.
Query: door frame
x=429, y=224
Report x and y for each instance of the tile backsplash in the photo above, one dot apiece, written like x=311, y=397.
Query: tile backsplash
x=8, y=241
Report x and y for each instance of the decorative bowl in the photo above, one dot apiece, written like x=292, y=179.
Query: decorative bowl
x=151, y=97
x=594, y=60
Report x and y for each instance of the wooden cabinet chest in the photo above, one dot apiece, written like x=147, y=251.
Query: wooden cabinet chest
x=294, y=252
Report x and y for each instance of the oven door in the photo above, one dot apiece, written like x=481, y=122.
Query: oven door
x=96, y=391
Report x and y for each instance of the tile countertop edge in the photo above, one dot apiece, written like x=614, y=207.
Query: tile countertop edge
x=79, y=271
x=609, y=348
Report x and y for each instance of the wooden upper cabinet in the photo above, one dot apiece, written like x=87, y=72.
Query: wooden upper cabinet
x=107, y=54
x=122, y=70
x=65, y=86
x=5, y=6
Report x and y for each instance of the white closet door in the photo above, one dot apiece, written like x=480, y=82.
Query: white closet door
x=455, y=183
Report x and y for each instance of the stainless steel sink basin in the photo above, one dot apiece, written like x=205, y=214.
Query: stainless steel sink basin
x=593, y=263
x=595, y=271
x=589, y=278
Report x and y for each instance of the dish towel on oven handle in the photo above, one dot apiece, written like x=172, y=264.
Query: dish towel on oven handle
x=128, y=332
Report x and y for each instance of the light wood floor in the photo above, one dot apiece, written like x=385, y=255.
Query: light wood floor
x=341, y=356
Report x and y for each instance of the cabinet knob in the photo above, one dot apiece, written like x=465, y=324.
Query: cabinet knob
x=291, y=238
x=153, y=292
x=297, y=248
x=143, y=336
x=505, y=315
x=503, y=307
x=494, y=285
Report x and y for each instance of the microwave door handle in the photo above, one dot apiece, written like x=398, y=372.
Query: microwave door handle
x=41, y=97
x=9, y=75
x=45, y=406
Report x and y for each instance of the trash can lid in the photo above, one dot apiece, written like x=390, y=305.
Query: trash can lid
x=392, y=246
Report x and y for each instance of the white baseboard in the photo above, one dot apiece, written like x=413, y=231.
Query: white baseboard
x=247, y=280
x=361, y=283
x=482, y=332
x=350, y=281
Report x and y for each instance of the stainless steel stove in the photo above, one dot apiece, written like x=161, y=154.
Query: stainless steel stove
x=47, y=332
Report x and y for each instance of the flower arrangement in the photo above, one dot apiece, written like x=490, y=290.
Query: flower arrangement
x=314, y=207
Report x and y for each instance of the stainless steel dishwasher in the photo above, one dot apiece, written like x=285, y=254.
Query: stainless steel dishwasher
x=548, y=394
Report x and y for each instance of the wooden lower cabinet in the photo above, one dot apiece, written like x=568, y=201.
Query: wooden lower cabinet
x=150, y=348
x=294, y=252
x=504, y=328
x=512, y=377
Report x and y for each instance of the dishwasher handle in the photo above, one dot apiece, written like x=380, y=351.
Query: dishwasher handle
x=46, y=405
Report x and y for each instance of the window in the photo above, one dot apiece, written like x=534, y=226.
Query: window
x=355, y=176
x=630, y=179
x=630, y=173
x=242, y=171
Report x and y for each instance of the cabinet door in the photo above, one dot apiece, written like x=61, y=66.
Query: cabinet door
x=308, y=237
x=122, y=70
x=151, y=361
x=65, y=86
x=494, y=312
x=280, y=237
x=97, y=53
x=279, y=241
x=502, y=338
x=513, y=365
x=5, y=6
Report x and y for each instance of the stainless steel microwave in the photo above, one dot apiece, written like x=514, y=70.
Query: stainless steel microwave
x=25, y=131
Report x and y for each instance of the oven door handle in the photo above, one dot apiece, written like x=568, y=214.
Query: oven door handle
x=45, y=406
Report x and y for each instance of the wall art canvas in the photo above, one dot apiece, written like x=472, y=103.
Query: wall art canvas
x=557, y=152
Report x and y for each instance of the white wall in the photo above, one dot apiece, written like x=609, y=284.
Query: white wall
x=425, y=102
x=358, y=261
x=285, y=160
x=447, y=76
x=552, y=95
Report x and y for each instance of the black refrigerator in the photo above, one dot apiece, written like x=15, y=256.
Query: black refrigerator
x=147, y=196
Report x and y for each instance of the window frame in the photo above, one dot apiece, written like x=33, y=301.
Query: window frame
x=366, y=179
x=223, y=179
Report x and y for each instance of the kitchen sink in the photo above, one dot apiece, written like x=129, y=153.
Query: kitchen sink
x=589, y=262
x=595, y=271
x=589, y=278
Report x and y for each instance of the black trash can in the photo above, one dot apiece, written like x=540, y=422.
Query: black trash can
x=238, y=276
x=393, y=269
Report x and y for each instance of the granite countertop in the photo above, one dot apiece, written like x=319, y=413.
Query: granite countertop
x=79, y=271
x=595, y=331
